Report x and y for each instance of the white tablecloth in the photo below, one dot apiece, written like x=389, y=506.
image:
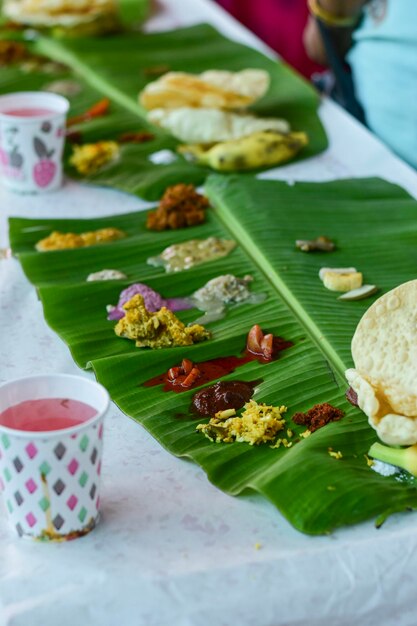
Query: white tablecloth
x=171, y=548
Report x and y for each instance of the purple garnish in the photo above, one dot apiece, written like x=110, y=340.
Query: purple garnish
x=153, y=301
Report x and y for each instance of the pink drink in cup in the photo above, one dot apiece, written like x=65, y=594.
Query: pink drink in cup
x=46, y=414
x=51, y=435
x=29, y=112
x=32, y=136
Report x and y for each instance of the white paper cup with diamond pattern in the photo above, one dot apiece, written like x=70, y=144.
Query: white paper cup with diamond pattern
x=32, y=136
x=50, y=479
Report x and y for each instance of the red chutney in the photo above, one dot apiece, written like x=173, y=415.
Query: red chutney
x=189, y=375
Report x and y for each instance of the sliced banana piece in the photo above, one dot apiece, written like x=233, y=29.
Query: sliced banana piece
x=260, y=149
x=337, y=270
x=359, y=294
x=338, y=281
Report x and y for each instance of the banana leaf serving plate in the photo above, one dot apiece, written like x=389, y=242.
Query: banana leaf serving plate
x=373, y=224
x=117, y=67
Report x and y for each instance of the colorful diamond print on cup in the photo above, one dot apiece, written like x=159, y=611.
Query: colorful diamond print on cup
x=51, y=484
x=50, y=479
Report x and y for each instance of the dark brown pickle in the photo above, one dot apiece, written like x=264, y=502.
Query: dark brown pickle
x=223, y=395
x=318, y=416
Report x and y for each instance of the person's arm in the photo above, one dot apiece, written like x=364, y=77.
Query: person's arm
x=342, y=8
x=336, y=11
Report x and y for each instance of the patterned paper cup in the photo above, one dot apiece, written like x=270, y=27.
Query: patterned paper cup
x=50, y=479
x=32, y=136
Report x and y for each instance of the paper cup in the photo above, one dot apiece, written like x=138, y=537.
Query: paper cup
x=51, y=479
x=31, y=146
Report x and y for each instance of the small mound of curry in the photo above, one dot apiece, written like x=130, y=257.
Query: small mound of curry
x=180, y=206
x=161, y=329
x=64, y=241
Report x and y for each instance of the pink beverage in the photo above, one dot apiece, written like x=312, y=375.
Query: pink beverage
x=29, y=112
x=46, y=414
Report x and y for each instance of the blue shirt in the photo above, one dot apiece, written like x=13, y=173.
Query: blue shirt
x=383, y=59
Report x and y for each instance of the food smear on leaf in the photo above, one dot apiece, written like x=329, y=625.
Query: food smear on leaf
x=321, y=244
x=12, y=52
x=180, y=206
x=384, y=351
x=156, y=70
x=318, y=416
x=259, y=423
x=89, y=158
x=227, y=289
x=140, y=136
x=221, y=291
x=106, y=275
x=184, y=256
x=63, y=241
x=98, y=109
x=152, y=299
x=16, y=53
x=213, y=369
x=223, y=395
x=64, y=87
x=37, y=63
x=73, y=137
x=160, y=329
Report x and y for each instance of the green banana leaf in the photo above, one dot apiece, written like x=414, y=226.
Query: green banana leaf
x=133, y=12
x=374, y=226
x=117, y=67
x=372, y=222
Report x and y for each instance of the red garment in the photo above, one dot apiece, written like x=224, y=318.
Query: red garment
x=280, y=24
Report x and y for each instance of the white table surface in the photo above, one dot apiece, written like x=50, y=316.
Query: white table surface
x=171, y=548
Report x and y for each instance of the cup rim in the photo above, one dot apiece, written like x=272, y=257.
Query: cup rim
x=63, y=103
x=42, y=434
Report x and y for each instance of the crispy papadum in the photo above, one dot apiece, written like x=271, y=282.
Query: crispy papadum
x=216, y=89
x=202, y=125
x=384, y=350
